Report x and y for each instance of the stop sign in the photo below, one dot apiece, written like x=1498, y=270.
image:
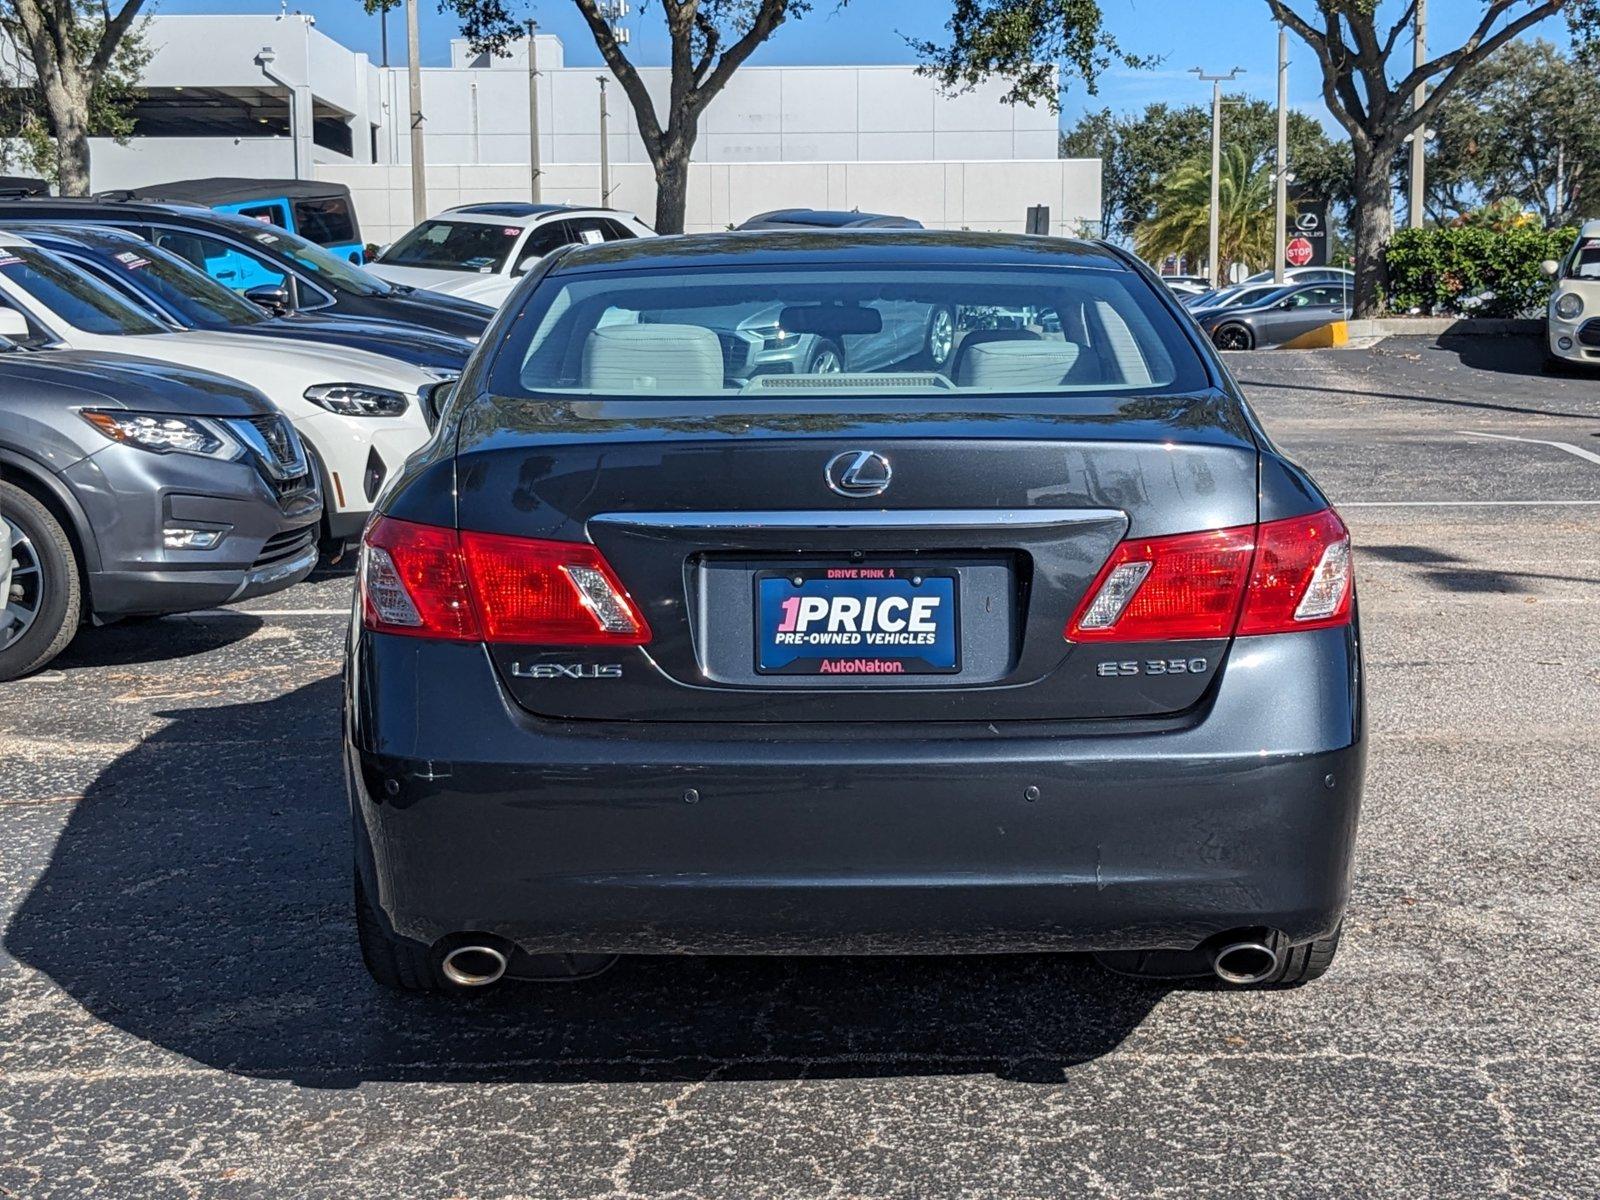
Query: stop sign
x=1298, y=252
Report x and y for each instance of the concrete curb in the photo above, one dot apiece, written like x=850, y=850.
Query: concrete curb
x=1383, y=327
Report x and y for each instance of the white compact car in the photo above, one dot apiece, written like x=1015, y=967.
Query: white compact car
x=479, y=251
x=360, y=413
x=1574, y=313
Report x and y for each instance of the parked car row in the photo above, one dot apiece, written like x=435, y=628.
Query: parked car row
x=193, y=404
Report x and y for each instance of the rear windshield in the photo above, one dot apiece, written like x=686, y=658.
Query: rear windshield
x=454, y=246
x=326, y=222
x=844, y=329
x=71, y=295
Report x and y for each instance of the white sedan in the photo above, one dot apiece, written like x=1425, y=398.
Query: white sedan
x=479, y=251
x=361, y=413
x=1574, y=313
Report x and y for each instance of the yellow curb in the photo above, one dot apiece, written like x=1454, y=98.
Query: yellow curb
x=1336, y=333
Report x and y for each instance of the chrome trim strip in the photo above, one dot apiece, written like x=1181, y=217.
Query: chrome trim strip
x=882, y=518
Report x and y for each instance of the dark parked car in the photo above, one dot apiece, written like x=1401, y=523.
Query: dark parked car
x=135, y=488
x=821, y=218
x=180, y=295
x=1053, y=650
x=271, y=266
x=1276, y=318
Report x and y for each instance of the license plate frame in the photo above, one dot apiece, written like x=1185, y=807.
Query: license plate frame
x=860, y=658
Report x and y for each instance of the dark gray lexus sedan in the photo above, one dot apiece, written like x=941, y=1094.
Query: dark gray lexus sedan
x=1049, y=648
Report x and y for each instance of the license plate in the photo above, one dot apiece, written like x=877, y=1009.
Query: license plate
x=857, y=621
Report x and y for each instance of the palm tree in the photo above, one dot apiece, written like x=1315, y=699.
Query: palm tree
x=1182, y=221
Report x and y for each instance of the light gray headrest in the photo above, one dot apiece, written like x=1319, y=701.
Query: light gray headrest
x=652, y=358
x=1005, y=365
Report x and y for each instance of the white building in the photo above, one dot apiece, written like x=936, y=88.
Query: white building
x=271, y=96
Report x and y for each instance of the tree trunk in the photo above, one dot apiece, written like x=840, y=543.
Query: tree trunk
x=672, y=187
x=67, y=109
x=1373, y=223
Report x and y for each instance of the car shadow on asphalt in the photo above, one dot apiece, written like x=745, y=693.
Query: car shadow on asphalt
x=154, y=639
x=199, y=899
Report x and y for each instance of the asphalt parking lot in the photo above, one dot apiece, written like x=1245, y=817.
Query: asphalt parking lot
x=183, y=1011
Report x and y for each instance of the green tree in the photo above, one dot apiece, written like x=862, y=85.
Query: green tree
x=1524, y=125
x=1023, y=40
x=1372, y=100
x=709, y=39
x=79, y=62
x=1140, y=151
x=1182, y=221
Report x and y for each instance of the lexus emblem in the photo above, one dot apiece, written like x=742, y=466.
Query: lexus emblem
x=858, y=473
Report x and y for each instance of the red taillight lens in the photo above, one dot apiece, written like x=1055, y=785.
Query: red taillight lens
x=426, y=581
x=412, y=582
x=1302, y=577
x=549, y=593
x=1273, y=578
x=1167, y=589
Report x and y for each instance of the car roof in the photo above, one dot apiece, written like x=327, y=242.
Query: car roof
x=889, y=247
x=119, y=204
x=79, y=235
x=232, y=189
x=1589, y=229
x=825, y=218
x=500, y=212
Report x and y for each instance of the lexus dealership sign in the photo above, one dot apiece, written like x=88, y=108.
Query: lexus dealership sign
x=1307, y=244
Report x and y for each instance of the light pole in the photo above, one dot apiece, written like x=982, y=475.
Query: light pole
x=1280, y=206
x=535, y=191
x=605, y=148
x=1419, y=136
x=419, y=179
x=1216, y=82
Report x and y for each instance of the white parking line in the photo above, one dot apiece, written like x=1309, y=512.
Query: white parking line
x=267, y=612
x=1589, y=455
x=1464, y=503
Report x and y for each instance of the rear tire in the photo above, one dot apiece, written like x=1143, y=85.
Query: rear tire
x=1233, y=337
x=42, y=612
x=393, y=961
x=1302, y=964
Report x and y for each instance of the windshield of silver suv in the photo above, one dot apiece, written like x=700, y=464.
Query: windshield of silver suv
x=845, y=329
x=74, y=297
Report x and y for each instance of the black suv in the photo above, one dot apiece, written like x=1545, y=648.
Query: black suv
x=271, y=266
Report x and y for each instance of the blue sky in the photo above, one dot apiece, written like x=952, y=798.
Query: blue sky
x=1215, y=34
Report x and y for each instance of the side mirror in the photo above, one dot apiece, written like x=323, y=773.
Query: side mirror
x=1550, y=267
x=14, y=326
x=435, y=398
x=527, y=264
x=270, y=296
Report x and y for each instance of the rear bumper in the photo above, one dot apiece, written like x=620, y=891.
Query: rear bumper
x=607, y=837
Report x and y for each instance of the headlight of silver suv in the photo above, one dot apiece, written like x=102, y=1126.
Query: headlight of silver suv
x=163, y=434
x=356, y=399
x=1569, y=306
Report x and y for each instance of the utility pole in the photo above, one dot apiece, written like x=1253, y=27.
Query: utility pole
x=1560, y=206
x=1213, y=267
x=605, y=148
x=1280, y=207
x=419, y=179
x=1419, y=136
x=383, y=35
x=535, y=190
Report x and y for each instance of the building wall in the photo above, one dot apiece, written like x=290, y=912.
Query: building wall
x=145, y=161
x=766, y=114
x=951, y=195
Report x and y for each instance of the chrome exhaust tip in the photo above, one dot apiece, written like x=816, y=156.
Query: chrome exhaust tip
x=1244, y=962
x=474, y=965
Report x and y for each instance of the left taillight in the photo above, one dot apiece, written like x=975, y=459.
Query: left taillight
x=1277, y=577
x=431, y=582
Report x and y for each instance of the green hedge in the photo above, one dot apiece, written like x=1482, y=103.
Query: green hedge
x=1477, y=272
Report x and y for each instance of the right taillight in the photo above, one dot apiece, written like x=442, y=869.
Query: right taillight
x=1302, y=577
x=1277, y=577
x=432, y=582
